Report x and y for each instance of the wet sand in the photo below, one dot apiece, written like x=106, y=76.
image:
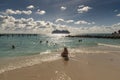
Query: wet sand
x=83, y=66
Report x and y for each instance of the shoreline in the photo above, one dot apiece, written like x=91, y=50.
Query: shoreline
x=12, y=63
x=86, y=64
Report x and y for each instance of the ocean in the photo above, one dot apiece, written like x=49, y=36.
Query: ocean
x=30, y=50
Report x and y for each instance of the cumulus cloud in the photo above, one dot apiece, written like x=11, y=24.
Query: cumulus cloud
x=29, y=25
x=75, y=22
x=116, y=25
x=6, y=22
x=30, y=7
x=83, y=8
x=11, y=12
x=65, y=21
x=95, y=29
x=41, y=12
x=118, y=15
x=115, y=10
x=60, y=20
x=9, y=23
x=23, y=25
x=63, y=8
x=27, y=12
x=99, y=29
x=83, y=22
x=69, y=21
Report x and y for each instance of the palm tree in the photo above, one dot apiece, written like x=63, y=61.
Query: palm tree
x=114, y=33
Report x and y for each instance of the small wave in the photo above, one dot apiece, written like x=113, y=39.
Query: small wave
x=109, y=45
x=46, y=52
x=85, y=51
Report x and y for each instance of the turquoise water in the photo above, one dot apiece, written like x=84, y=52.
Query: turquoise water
x=29, y=50
x=30, y=45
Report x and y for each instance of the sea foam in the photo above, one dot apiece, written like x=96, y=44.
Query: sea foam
x=29, y=61
x=109, y=45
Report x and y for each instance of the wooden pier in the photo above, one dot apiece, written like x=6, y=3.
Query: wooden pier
x=12, y=35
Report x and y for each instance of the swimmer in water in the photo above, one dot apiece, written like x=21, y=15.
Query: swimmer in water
x=13, y=47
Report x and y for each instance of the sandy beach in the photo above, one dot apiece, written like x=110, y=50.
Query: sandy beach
x=59, y=39
x=83, y=66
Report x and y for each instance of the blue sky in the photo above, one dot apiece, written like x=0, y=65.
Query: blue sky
x=75, y=13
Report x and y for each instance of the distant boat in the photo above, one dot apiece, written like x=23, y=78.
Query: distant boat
x=60, y=32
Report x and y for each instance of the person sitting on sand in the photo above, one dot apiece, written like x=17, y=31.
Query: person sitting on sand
x=65, y=52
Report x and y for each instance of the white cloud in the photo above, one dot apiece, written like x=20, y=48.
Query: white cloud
x=41, y=12
x=7, y=22
x=75, y=22
x=30, y=7
x=115, y=10
x=69, y=21
x=27, y=12
x=99, y=29
x=116, y=27
x=23, y=25
x=81, y=6
x=118, y=15
x=92, y=29
x=93, y=23
x=83, y=22
x=83, y=9
x=65, y=21
x=60, y=20
x=11, y=24
x=63, y=8
x=11, y=12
